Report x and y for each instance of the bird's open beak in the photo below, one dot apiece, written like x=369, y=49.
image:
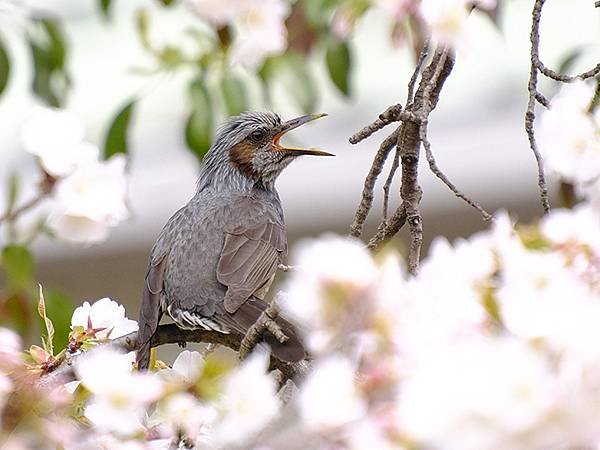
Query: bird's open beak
x=293, y=124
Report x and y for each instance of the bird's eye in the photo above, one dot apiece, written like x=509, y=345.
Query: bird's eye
x=257, y=135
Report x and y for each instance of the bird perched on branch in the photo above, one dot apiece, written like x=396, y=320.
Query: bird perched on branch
x=216, y=257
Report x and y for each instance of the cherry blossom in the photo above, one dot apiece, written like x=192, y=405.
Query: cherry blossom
x=105, y=315
x=248, y=401
x=259, y=32
x=569, y=135
x=56, y=137
x=90, y=201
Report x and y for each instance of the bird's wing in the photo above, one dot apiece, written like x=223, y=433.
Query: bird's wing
x=249, y=261
x=150, y=307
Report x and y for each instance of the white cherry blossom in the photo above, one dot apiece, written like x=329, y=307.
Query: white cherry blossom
x=183, y=413
x=186, y=368
x=248, y=401
x=104, y=313
x=57, y=138
x=259, y=32
x=119, y=396
x=217, y=12
x=569, y=136
x=447, y=20
x=90, y=201
x=329, y=398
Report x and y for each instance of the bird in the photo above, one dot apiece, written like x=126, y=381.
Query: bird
x=216, y=257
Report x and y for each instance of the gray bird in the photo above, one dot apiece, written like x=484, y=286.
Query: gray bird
x=216, y=257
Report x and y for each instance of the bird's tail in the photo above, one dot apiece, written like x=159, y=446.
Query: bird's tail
x=150, y=313
x=291, y=350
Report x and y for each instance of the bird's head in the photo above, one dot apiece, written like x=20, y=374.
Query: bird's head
x=251, y=145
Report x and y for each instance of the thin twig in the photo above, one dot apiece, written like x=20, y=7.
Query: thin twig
x=530, y=113
x=393, y=114
x=438, y=173
x=374, y=172
x=265, y=322
x=541, y=99
x=566, y=78
x=391, y=228
x=9, y=216
x=413, y=79
x=388, y=184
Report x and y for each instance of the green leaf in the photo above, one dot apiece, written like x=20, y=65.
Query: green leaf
x=4, y=67
x=318, y=12
x=59, y=308
x=337, y=57
x=167, y=2
x=48, y=339
x=15, y=313
x=234, y=94
x=292, y=72
x=18, y=265
x=105, y=8
x=117, y=136
x=48, y=49
x=199, y=126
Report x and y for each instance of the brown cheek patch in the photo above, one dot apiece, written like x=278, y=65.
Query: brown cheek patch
x=241, y=156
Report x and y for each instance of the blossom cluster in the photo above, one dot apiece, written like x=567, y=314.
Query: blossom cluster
x=493, y=345
x=569, y=138
x=260, y=31
x=88, y=194
x=258, y=26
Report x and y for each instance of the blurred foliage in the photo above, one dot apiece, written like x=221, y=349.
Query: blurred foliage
x=51, y=80
x=4, y=67
x=199, y=125
x=339, y=64
x=117, y=136
x=19, y=296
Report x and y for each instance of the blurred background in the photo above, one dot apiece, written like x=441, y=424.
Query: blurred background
x=476, y=131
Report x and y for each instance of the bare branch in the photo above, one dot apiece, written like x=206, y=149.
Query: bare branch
x=265, y=322
x=374, y=172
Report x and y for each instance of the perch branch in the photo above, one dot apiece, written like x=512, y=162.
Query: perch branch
x=265, y=322
x=172, y=334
